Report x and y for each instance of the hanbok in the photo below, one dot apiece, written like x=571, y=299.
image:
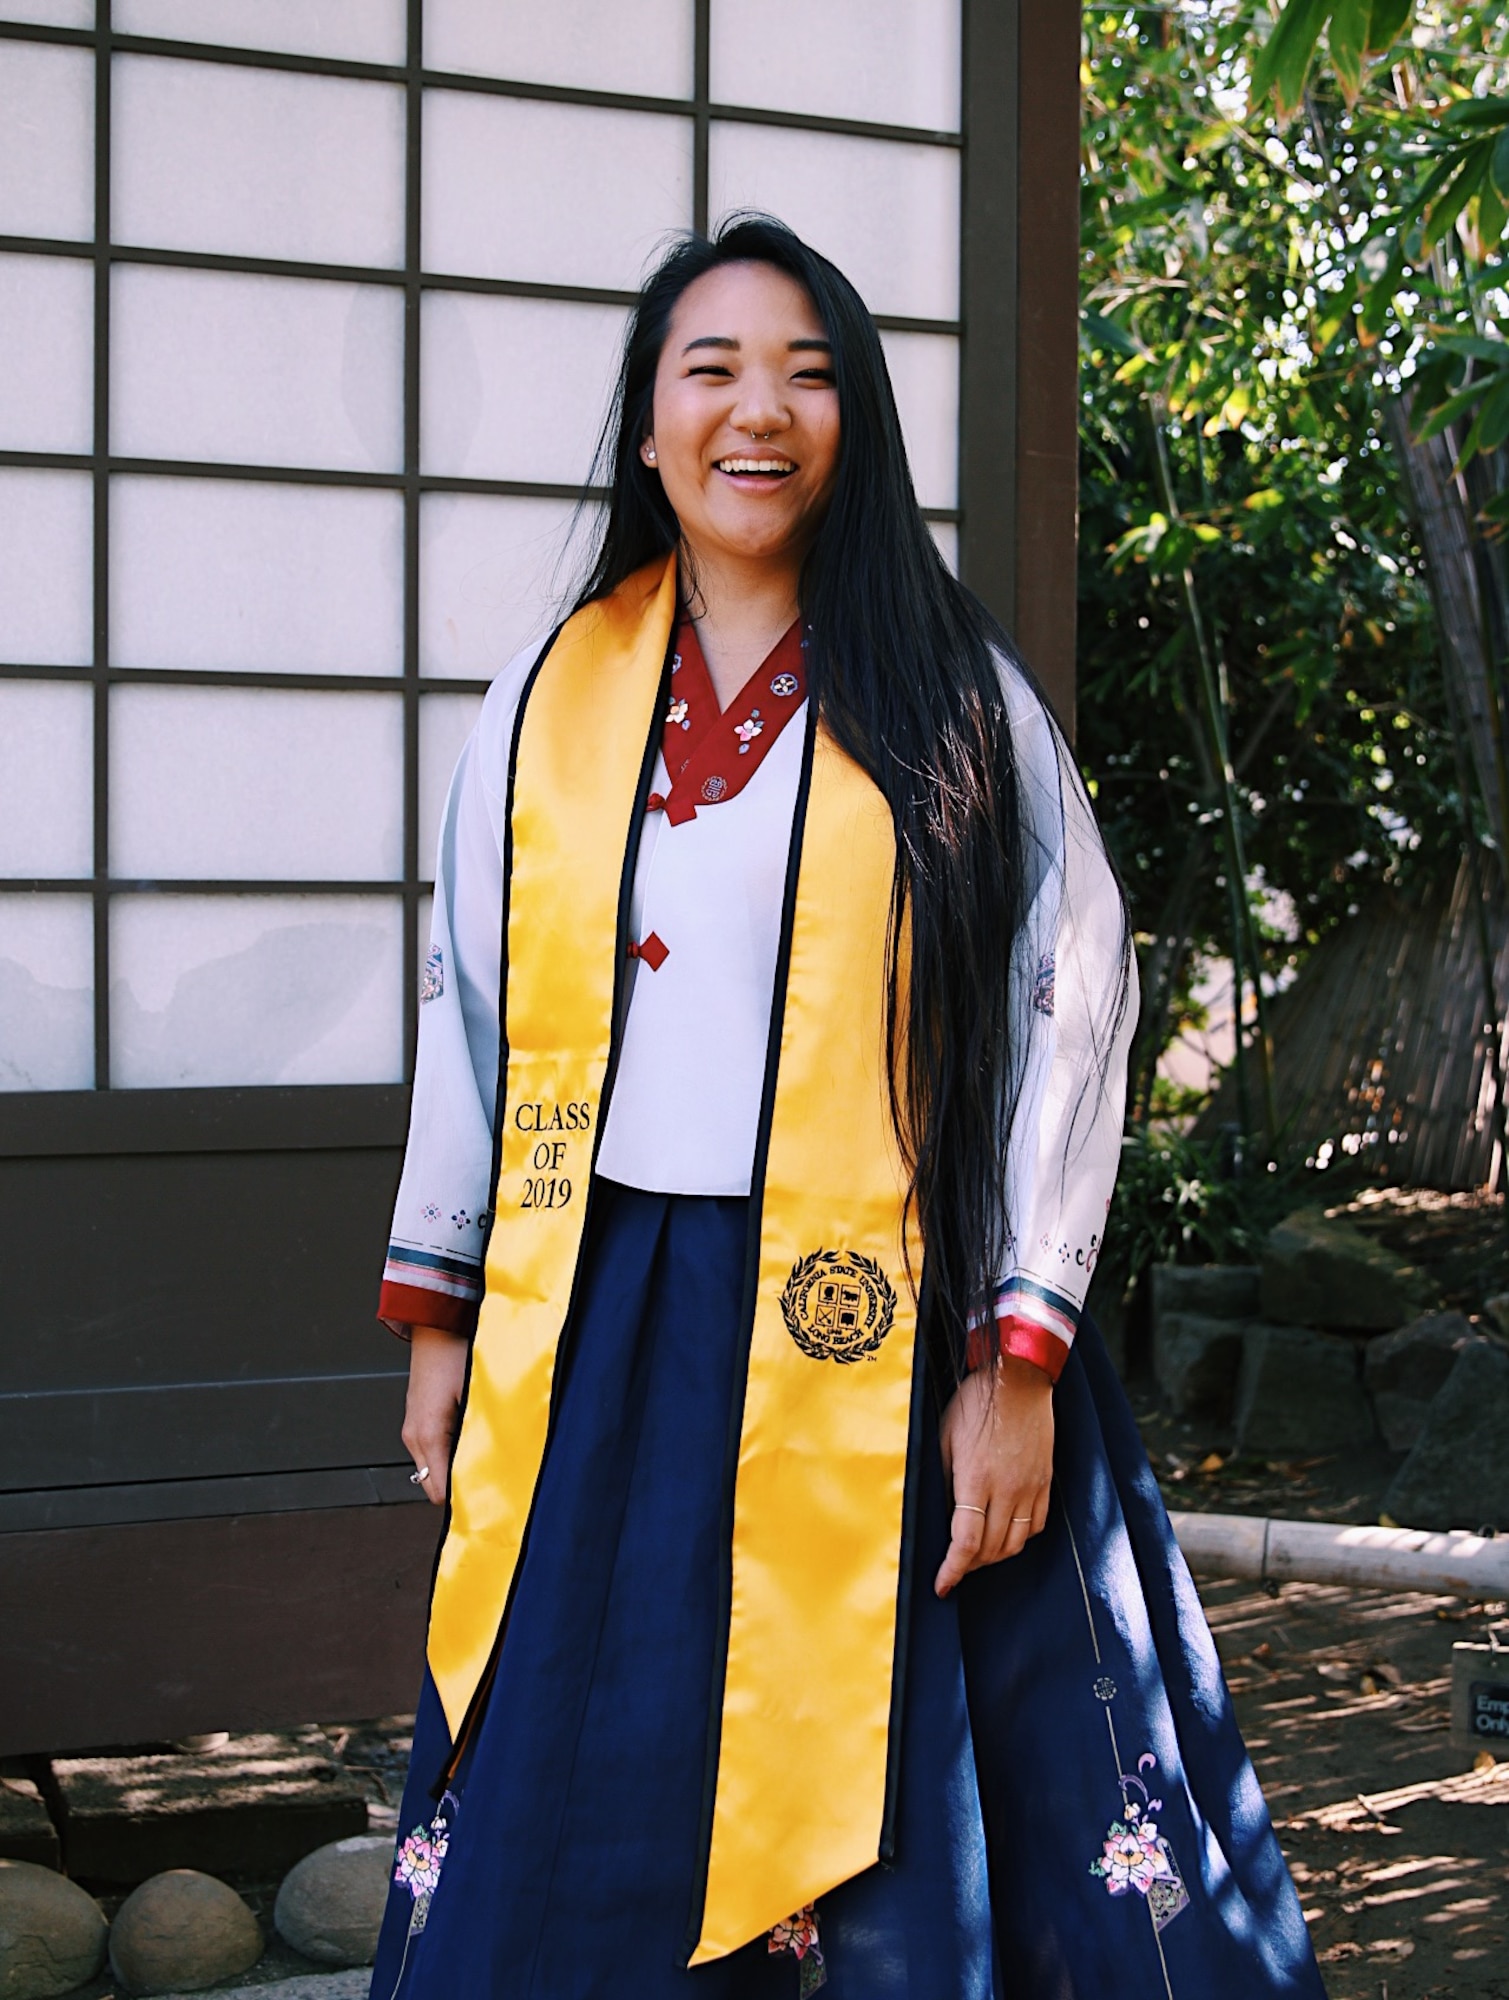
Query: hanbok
x=1051, y=1795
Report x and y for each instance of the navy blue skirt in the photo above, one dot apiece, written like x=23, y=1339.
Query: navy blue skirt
x=1077, y=1816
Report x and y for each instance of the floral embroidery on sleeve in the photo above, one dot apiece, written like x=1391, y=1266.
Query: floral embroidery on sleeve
x=433, y=983
x=1043, y=983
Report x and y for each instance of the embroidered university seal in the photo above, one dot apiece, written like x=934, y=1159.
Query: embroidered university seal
x=837, y=1305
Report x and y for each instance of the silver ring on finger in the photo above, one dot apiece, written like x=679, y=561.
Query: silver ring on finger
x=963, y=1507
x=418, y=1478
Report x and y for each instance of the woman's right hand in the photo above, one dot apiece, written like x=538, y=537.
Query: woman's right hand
x=437, y=1375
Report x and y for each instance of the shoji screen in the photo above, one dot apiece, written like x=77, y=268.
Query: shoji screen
x=309, y=317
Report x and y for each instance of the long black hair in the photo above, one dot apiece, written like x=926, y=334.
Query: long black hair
x=902, y=666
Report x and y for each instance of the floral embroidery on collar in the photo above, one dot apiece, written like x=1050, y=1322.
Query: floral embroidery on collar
x=748, y=730
x=675, y=715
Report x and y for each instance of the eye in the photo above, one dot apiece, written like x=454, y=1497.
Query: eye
x=814, y=375
x=718, y=368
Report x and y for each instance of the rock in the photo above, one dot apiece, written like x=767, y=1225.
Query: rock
x=307, y=1986
x=52, y=1936
x=1457, y=1476
x=181, y=1932
x=258, y=1803
x=1299, y=1391
x=26, y=1830
x=1402, y=1372
x=1320, y=1271
x=1196, y=1358
x=1218, y=1291
x=330, y=1907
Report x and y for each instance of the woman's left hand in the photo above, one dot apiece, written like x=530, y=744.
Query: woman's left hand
x=997, y=1440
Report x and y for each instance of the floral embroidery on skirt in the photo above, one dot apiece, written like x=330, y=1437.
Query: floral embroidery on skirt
x=798, y=1935
x=418, y=1862
x=1136, y=1857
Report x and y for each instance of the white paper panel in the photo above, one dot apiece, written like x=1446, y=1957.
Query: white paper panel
x=54, y=13
x=286, y=579
x=255, y=783
x=258, y=162
x=46, y=141
x=213, y=990
x=445, y=722
x=493, y=574
x=515, y=388
x=564, y=194
x=946, y=535
x=886, y=212
x=895, y=62
x=47, y=340
x=255, y=370
x=46, y=778
x=641, y=47
x=364, y=30
x=924, y=370
x=46, y=993
x=46, y=568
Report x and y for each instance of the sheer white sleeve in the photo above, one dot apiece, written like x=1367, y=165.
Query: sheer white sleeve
x=433, y=1273
x=1074, y=1011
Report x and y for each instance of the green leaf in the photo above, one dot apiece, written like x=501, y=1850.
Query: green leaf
x=1492, y=426
x=1478, y=114
x=1284, y=60
x=1386, y=23
x=1454, y=407
x=1491, y=213
x=1105, y=332
x=1500, y=168
x=1455, y=197
x=1347, y=39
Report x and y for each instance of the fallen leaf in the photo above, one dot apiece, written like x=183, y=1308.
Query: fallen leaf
x=1369, y=1685
x=1484, y=1761
x=1212, y=1462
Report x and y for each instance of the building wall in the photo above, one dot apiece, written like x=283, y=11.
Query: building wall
x=310, y=317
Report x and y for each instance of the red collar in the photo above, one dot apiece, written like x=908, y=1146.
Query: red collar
x=710, y=755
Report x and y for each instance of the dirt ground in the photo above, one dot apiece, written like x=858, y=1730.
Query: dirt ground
x=1399, y=1847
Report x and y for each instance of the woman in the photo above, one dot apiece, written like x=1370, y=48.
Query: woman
x=806, y=1614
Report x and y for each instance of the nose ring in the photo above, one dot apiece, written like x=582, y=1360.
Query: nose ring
x=763, y=438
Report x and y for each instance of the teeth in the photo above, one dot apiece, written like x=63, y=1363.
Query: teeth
x=755, y=465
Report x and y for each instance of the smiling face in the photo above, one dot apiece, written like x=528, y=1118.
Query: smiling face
x=746, y=354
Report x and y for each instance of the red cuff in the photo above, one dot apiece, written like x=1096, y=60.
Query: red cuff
x=412, y=1305
x=1024, y=1338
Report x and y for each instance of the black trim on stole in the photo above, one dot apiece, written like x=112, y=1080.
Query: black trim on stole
x=746, y=1334
x=483, y=1688
x=900, y=1657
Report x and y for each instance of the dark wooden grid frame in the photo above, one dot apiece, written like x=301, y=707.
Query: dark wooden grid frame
x=411, y=684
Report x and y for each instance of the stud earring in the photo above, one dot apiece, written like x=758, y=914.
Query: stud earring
x=649, y=454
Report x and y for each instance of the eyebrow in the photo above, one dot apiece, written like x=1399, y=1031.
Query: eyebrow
x=727, y=341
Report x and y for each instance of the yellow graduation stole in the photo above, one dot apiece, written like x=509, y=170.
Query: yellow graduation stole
x=819, y=1488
